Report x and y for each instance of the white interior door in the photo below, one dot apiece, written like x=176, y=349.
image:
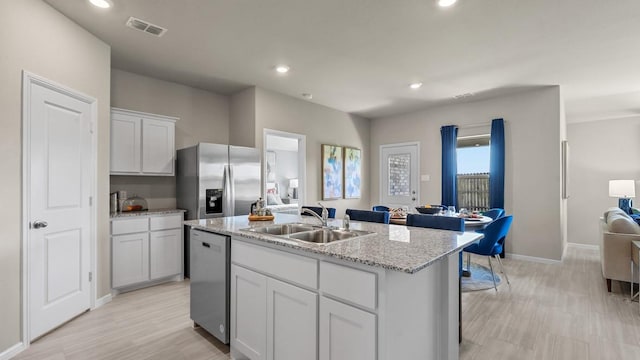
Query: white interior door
x=399, y=171
x=59, y=165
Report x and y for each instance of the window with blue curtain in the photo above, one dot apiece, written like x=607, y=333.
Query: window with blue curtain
x=449, y=165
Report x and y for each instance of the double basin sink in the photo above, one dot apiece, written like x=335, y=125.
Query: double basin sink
x=308, y=233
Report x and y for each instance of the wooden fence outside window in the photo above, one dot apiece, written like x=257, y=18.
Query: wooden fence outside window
x=473, y=191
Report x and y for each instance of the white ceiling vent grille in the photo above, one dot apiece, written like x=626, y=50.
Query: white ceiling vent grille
x=147, y=27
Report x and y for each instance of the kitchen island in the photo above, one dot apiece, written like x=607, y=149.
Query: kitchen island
x=391, y=294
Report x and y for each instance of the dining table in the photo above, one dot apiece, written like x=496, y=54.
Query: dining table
x=476, y=223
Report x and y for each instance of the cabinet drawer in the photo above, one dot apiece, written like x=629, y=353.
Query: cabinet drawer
x=166, y=222
x=129, y=226
x=290, y=267
x=353, y=285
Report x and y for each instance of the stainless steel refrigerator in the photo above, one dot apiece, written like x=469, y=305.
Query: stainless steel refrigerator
x=215, y=180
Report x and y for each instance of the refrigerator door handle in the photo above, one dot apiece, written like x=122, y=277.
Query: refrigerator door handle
x=226, y=192
x=229, y=191
x=232, y=187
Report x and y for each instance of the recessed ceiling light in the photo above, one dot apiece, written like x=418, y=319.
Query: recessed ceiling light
x=104, y=4
x=282, y=69
x=307, y=96
x=416, y=85
x=446, y=3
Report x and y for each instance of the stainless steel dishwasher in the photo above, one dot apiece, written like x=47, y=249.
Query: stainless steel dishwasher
x=210, y=282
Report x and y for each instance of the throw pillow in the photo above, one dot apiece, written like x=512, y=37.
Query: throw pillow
x=622, y=224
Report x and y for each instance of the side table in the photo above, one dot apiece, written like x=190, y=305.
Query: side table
x=635, y=263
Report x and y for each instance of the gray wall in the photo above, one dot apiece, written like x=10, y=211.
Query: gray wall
x=242, y=125
x=321, y=125
x=600, y=151
x=204, y=117
x=532, y=179
x=38, y=39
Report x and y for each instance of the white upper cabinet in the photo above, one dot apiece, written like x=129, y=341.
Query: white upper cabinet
x=125, y=143
x=158, y=146
x=142, y=143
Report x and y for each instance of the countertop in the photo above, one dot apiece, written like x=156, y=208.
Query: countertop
x=146, y=212
x=393, y=247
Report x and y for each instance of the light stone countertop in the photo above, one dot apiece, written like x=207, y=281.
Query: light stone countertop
x=146, y=212
x=394, y=247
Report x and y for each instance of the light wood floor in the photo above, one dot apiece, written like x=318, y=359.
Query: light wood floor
x=552, y=312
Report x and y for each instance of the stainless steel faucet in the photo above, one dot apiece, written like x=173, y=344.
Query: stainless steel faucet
x=325, y=214
x=323, y=218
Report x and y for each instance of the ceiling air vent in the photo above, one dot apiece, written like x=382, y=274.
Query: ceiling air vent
x=146, y=27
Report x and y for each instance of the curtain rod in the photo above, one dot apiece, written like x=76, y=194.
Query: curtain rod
x=466, y=126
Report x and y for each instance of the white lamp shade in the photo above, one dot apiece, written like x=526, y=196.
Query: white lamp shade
x=622, y=188
x=293, y=183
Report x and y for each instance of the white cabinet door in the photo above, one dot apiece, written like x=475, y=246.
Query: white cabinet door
x=130, y=259
x=346, y=333
x=292, y=322
x=165, y=253
x=248, y=312
x=125, y=144
x=158, y=147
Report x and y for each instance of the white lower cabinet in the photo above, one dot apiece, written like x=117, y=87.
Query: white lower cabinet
x=164, y=249
x=249, y=312
x=271, y=319
x=145, y=249
x=281, y=310
x=292, y=322
x=346, y=332
x=130, y=259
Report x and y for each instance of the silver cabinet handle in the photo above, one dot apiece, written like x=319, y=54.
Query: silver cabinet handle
x=39, y=224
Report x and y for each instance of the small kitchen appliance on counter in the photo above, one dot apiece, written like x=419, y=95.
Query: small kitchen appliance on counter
x=134, y=203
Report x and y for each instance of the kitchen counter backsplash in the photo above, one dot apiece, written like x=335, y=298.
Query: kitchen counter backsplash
x=146, y=212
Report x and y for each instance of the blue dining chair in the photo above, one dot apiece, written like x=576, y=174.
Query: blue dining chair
x=443, y=223
x=318, y=210
x=494, y=213
x=381, y=208
x=491, y=245
x=369, y=216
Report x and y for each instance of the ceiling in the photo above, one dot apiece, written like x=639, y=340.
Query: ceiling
x=359, y=56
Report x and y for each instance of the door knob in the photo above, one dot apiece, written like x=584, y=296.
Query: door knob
x=39, y=224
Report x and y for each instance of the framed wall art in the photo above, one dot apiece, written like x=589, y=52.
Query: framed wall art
x=332, y=172
x=352, y=173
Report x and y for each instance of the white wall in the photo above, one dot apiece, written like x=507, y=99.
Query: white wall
x=38, y=39
x=286, y=168
x=600, y=151
x=204, y=117
x=532, y=178
x=321, y=125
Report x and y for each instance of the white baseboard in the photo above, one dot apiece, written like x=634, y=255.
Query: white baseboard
x=102, y=301
x=533, y=259
x=583, y=246
x=12, y=351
